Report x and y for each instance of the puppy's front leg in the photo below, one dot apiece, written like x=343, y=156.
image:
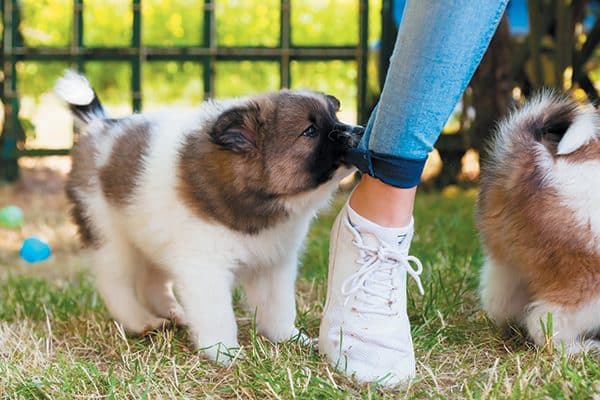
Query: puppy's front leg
x=205, y=294
x=271, y=293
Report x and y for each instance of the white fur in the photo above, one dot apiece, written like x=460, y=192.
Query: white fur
x=74, y=88
x=585, y=128
x=579, y=186
x=203, y=259
x=504, y=295
x=505, y=298
x=503, y=292
x=571, y=327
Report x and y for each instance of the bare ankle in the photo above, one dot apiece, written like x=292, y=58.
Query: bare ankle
x=383, y=204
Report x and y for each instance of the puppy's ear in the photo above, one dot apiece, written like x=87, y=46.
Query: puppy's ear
x=335, y=102
x=236, y=130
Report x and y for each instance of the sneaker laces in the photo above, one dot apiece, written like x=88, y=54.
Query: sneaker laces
x=373, y=284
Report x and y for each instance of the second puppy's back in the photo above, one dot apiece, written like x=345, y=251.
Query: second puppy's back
x=537, y=208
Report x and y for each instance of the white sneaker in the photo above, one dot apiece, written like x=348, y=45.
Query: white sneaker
x=365, y=330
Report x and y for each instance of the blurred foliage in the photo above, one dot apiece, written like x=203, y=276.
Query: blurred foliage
x=108, y=23
x=333, y=22
x=47, y=22
x=247, y=23
x=172, y=22
x=332, y=77
x=158, y=78
x=37, y=77
x=239, y=78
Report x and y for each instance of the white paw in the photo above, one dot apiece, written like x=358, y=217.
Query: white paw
x=224, y=355
x=305, y=340
x=142, y=327
x=177, y=315
x=291, y=335
x=585, y=346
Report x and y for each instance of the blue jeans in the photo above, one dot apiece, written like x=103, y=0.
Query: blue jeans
x=439, y=45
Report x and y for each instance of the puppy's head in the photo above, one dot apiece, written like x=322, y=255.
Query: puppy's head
x=286, y=142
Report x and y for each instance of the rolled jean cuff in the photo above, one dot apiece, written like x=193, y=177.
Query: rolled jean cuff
x=395, y=171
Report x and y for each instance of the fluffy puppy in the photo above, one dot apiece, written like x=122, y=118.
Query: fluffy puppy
x=178, y=206
x=539, y=218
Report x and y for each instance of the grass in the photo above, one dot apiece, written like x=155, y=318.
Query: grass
x=57, y=341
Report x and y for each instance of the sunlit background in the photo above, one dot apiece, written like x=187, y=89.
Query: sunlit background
x=178, y=23
x=539, y=43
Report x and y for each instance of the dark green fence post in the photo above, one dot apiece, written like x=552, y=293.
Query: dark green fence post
x=362, y=59
x=12, y=132
x=388, y=38
x=284, y=43
x=208, y=40
x=136, y=58
x=77, y=36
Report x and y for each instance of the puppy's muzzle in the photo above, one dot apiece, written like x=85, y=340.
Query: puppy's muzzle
x=347, y=135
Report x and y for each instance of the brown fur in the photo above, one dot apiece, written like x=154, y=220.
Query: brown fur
x=228, y=204
x=244, y=187
x=118, y=177
x=83, y=177
x=525, y=228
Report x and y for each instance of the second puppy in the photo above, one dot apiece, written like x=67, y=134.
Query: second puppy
x=539, y=217
x=197, y=201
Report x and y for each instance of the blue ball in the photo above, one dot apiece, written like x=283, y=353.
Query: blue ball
x=35, y=249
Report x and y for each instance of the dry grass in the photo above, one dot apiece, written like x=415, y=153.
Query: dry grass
x=56, y=340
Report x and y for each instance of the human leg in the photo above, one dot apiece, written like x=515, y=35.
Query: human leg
x=439, y=46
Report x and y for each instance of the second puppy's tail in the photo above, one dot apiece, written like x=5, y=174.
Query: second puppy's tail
x=561, y=124
x=553, y=120
x=77, y=92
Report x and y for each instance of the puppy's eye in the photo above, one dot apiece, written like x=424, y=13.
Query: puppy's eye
x=311, y=131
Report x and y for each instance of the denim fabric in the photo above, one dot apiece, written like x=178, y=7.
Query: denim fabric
x=439, y=45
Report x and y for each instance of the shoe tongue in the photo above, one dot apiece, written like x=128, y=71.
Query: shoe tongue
x=370, y=239
x=376, y=235
x=395, y=238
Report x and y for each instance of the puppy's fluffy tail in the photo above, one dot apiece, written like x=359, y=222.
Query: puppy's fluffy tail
x=584, y=128
x=77, y=92
x=555, y=121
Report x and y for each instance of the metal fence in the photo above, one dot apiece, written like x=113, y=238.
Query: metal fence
x=207, y=53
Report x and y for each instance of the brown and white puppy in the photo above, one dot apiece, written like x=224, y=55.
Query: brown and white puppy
x=539, y=218
x=199, y=200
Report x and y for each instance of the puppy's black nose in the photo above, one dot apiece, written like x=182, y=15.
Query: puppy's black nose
x=347, y=135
